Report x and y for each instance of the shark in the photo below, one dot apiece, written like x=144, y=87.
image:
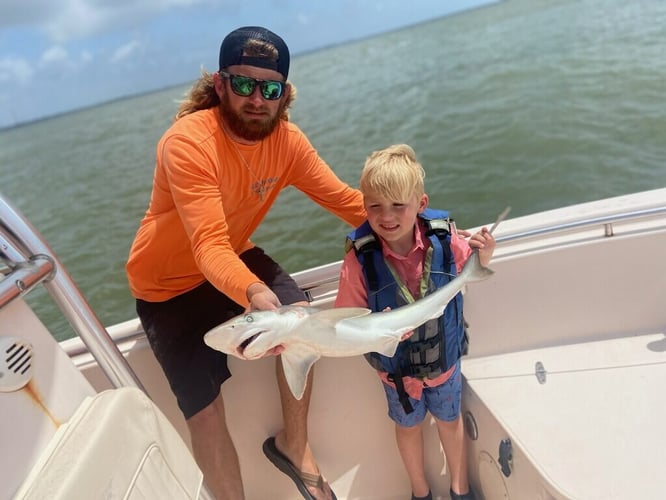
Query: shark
x=308, y=333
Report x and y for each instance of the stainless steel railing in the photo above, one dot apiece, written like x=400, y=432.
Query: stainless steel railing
x=27, y=260
x=320, y=283
x=606, y=223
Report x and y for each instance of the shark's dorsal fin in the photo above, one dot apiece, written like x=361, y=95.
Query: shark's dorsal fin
x=296, y=362
x=331, y=316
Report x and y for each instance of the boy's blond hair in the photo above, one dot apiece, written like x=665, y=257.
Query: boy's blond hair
x=393, y=173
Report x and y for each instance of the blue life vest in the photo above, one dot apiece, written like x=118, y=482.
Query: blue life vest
x=439, y=343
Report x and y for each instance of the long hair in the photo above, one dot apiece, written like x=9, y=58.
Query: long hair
x=201, y=95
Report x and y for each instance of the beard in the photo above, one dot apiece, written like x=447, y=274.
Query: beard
x=250, y=130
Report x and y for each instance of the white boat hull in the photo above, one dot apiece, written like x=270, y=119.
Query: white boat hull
x=567, y=362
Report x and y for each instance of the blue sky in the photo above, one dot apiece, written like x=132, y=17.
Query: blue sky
x=59, y=55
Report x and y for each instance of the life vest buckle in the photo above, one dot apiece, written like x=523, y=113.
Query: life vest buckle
x=427, y=371
x=423, y=345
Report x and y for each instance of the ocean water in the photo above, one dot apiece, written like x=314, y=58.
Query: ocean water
x=533, y=104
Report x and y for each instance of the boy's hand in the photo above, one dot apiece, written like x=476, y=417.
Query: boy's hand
x=485, y=243
x=405, y=336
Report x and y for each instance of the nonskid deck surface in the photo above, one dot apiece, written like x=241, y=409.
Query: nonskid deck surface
x=594, y=426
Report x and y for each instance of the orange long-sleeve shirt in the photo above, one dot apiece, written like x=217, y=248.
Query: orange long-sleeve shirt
x=207, y=201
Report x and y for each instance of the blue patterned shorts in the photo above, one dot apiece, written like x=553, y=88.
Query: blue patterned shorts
x=442, y=401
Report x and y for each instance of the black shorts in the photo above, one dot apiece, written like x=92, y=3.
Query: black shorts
x=175, y=330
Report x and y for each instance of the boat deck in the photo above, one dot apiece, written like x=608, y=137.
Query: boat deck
x=588, y=399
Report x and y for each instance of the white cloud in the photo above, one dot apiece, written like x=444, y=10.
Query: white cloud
x=125, y=51
x=66, y=20
x=54, y=55
x=77, y=19
x=15, y=69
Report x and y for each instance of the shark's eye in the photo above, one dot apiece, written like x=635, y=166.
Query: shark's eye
x=249, y=318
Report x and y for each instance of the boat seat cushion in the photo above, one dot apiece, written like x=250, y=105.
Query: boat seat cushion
x=118, y=444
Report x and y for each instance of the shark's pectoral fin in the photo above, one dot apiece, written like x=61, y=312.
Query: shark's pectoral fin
x=296, y=362
x=390, y=345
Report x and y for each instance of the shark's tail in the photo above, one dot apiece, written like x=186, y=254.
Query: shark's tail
x=477, y=271
x=482, y=273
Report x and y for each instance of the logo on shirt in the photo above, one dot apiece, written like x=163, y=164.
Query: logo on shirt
x=262, y=187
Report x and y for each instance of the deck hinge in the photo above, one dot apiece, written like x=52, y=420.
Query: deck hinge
x=540, y=372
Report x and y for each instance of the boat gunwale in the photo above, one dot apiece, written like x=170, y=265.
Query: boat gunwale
x=320, y=282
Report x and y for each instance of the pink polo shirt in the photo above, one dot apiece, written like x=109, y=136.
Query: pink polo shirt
x=352, y=291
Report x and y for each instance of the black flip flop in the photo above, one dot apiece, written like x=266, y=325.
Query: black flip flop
x=301, y=479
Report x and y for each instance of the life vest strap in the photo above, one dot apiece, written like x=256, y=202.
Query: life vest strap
x=422, y=345
x=403, y=397
x=428, y=370
x=439, y=226
x=364, y=240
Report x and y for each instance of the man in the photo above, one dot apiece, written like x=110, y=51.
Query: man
x=219, y=169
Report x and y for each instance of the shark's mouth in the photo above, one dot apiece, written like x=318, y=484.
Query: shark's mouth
x=246, y=343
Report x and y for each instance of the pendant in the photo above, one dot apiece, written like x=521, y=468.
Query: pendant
x=259, y=189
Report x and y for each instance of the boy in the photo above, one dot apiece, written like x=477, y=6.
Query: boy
x=401, y=253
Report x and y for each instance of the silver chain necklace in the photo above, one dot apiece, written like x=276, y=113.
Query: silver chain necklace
x=259, y=186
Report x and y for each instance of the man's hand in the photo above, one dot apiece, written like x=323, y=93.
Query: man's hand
x=262, y=298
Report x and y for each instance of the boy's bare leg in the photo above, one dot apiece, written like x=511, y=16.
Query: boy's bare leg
x=410, y=445
x=452, y=436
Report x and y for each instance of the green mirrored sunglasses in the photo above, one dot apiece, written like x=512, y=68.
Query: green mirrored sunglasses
x=244, y=86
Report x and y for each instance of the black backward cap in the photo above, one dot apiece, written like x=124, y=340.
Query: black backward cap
x=231, y=50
